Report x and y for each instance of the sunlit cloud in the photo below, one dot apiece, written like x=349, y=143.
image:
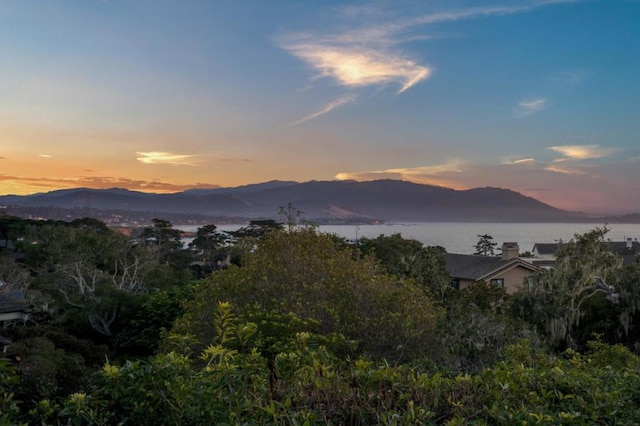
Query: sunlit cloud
x=93, y=182
x=45, y=155
x=528, y=107
x=157, y=157
x=433, y=175
x=564, y=170
x=584, y=152
x=357, y=66
x=516, y=161
x=327, y=108
x=370, y=54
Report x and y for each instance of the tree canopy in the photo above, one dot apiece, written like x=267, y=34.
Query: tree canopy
x=308, y=274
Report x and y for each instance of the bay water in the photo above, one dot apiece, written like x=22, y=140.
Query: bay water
x=461, y=237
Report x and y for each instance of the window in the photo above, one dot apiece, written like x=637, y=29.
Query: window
x=455, y=284
x=532, y=282
x=498, y=282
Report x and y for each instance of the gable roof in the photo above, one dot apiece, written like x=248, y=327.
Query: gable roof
x=546, y=248
x=478, y=268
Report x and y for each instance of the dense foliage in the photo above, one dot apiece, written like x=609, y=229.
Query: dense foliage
x=307, y=274
x=305, y=328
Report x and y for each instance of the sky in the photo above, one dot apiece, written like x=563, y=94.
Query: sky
x=538, y=96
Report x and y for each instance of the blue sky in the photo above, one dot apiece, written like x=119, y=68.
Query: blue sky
x=537, y=96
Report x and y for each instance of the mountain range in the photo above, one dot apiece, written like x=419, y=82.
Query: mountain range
x=380, y=200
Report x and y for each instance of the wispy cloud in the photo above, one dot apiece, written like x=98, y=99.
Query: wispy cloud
x=564, y=170
x=512, y=161
x=434, y=175
x=45, y=155
x=584, y=152
x=370, y=54
x=98, y=182
x=529, y=107
x=358, y=66
x=158, y=157
x=327, y=108
x=570, y=78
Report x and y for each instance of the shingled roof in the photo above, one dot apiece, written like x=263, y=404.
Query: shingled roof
x=477, y=268
x=546, y=248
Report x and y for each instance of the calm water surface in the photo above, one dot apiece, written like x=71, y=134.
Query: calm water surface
x=461, y=237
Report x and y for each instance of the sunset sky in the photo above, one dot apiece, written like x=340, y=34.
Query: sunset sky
x=539, y=96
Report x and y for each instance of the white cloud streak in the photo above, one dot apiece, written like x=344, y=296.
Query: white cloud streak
x=529, y=107
x=370, y=55
x=157, y=157
x=508, y=161
x=327, y=108
x=356, y=66
x=564, y=170
x=583, y=152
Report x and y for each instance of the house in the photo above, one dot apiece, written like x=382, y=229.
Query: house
x=7, y=244
x=507, y=271
x=12, y=307
x=544, y=254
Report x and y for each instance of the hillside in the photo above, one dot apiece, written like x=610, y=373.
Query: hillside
x=385, y=200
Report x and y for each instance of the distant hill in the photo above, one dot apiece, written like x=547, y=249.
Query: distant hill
x=385, y=200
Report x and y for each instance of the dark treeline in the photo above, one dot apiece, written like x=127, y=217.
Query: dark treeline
x=279, y=324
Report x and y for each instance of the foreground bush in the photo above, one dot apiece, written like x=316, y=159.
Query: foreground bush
x=307, y=384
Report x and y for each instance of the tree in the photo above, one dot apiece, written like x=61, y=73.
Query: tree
x=207, y=243
x=409, y=258
x=247, y=237
x=258, y=229
x=90, y=269
x=582, y=269
x=290, y=216
x=13, y=275
x=485, y=245
x=142, y=335
x=308, y=274
x=168, y=242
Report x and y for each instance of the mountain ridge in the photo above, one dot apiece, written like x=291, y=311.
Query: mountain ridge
x=380, y=200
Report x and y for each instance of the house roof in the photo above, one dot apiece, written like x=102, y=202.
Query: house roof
x=477, y=268
x=12, y=302
x=614, y=246
x=8, y=244
x=546, y=248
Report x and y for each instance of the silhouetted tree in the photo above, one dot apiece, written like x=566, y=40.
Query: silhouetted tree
x=485, y=246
